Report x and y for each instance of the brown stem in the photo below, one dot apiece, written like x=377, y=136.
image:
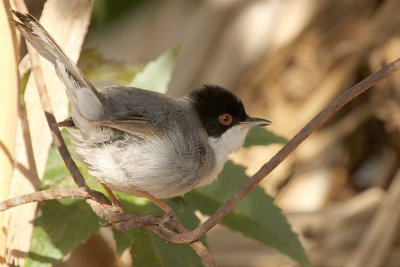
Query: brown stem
x=44, y=195
x=51, y=120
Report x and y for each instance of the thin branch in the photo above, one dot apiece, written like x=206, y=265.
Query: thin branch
x=149, y=221
x=51, y=120
x=44, y=195
x=314, y=124
x=126, y=222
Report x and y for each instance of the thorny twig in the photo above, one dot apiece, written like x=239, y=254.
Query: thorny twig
x=173, y=230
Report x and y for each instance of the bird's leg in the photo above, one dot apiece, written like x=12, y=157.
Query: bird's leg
x=115, y=201
x=162, y=205
x=169, y=212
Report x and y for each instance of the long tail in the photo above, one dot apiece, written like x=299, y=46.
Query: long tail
x=87, y=103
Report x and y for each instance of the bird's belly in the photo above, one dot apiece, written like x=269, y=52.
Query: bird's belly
x=156, y=168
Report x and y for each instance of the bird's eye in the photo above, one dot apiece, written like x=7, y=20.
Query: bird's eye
x=225, y=119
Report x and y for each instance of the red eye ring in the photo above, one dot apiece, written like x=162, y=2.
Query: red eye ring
x=225, y=119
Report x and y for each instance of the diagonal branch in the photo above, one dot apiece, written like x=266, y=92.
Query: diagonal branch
x=314, y=124
x=51, y=120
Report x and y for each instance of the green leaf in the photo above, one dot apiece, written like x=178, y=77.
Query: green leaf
x=263, y=137
x=98, y=69
x=157, y=74
x=60, y=226
x=144, y=250
x=256, y=216
x=147, y=248
x=106, y=11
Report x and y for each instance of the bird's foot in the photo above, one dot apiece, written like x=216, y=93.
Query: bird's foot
x=168, y=216
x=114, y=199
x=114, y=215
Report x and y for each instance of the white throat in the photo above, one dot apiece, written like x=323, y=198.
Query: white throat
x=228, y=142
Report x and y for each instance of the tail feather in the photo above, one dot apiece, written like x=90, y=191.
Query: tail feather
x=86, y=101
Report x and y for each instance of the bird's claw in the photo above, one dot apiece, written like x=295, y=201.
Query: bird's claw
x=168, y=215
x=114, y=214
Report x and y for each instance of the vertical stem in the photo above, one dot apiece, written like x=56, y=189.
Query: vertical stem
x=8, y=108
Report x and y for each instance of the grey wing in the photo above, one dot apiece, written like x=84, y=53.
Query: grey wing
x=131, y=123
x=86, y=101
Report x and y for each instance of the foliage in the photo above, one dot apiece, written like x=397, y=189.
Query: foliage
x=161, y=68
x=147, y=248
x=256, y=216
x=108, y=10
x=61, y=225
x=98, y=69
x=259, y=136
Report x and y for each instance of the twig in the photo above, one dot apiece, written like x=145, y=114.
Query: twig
x=315, y=123
x=44, y=195
x=51, y=120
x=150, y=221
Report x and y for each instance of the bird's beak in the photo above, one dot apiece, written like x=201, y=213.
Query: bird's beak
x=250, y=122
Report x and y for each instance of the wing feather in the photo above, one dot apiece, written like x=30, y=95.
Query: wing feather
x=131, y=123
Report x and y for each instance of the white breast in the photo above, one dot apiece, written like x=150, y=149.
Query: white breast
x=228, y=142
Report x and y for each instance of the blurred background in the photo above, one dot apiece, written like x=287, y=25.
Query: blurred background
x=286, y=59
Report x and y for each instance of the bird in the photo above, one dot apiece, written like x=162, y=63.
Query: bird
x=142, y=142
